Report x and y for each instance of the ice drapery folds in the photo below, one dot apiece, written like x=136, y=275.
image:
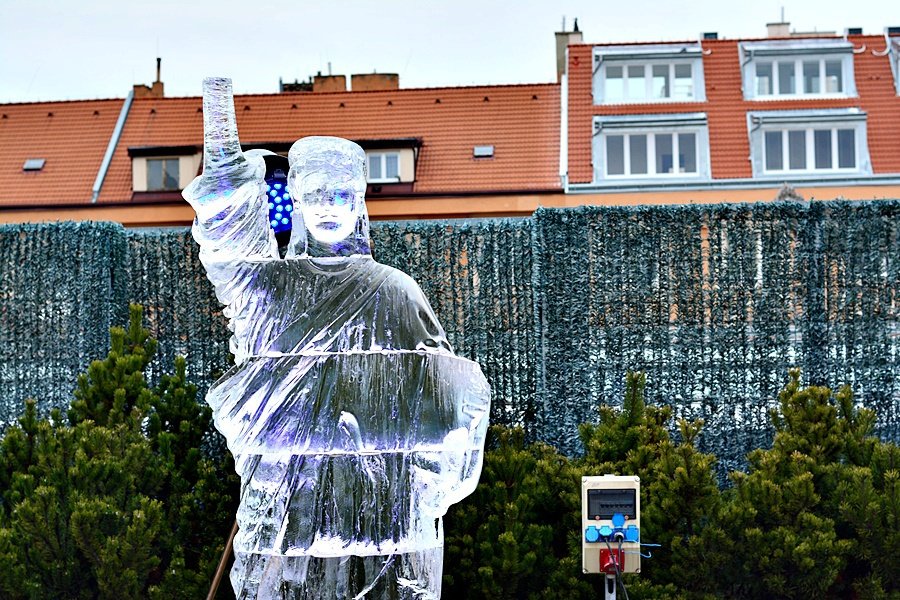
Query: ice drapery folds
x=353, y=424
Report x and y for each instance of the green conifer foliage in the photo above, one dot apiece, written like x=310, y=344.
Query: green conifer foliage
x=117, y=501
x=505, y=538
x=783, y=527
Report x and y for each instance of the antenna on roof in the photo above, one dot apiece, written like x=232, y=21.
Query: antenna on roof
x=782, y=14
x=575, y=29
x=158, y=68
x=563, y=23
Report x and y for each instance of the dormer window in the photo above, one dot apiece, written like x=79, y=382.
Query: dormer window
x=648, y=74
x=163, y=169
x=808, y=143
x=798, y=68
x=651, y=148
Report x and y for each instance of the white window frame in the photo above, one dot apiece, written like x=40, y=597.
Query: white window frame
x=650, y=125
x=382, y=156
x=808, y=121
x=648, y=56
x=797, y=52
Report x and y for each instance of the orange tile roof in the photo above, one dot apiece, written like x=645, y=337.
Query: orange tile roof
x=71, y=136
x=727, y=110
x=520, y=121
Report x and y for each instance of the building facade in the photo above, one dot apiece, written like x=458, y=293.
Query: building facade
x=732, y=120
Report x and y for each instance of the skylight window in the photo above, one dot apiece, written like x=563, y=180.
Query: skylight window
x=33, y=164
x=483, y=152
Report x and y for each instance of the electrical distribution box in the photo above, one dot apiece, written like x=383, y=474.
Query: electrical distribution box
x=611, y=524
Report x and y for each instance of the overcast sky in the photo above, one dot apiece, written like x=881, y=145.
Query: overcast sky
x=76, y=49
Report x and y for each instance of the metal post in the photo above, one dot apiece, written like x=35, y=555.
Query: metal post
x=610, y=588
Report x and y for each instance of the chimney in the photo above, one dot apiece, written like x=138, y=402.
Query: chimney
x=371, y=82
x=157, y=90
x=563, y=39
x=329, y=83
x=778, y=30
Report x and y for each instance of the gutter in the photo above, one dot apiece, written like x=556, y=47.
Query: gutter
x=111, y=147
x=733, y=184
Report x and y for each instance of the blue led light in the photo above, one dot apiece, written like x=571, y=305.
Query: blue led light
x=279, y=210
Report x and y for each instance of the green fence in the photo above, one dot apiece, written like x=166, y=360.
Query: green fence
x=713, y=302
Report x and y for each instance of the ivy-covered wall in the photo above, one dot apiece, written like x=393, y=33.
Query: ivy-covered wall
x=713, y=302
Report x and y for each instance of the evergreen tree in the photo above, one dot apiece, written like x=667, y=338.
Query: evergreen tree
x=504, y=539
x=117, y=501
x=782, y=526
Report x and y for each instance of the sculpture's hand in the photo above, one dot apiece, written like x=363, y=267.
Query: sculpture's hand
x=225, y=167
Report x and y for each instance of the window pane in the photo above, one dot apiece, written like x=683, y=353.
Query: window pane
x=833, y=76
x=637, y=87
x=811, y=77
x=615, y=155
x=638, y=154
x=660, y=81
x=763, y=79
x=786, y=78
x=687, y=152
x=846, y=148
x=375, y=166
x=615, y=86
x=154, y=175
x=684, y=82
x=823, y=148
x=796, y=149
x=171, y=174
x=774, y=160
x=664, y=163
x=391, y=166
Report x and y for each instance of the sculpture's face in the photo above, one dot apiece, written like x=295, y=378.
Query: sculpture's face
x=328, y=208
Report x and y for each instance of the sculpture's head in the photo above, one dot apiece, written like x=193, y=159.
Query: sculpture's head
x=327, y=180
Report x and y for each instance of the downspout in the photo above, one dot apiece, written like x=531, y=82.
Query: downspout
x=111, y=147
x=564, y=128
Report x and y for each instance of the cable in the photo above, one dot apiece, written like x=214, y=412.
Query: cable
x=616, y=565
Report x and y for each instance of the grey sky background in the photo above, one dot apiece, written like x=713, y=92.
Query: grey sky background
x=81, y=49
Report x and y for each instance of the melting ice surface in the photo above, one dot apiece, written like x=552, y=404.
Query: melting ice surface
x=353, y=424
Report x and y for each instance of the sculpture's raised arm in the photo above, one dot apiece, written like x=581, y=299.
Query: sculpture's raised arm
x=232, y=224
x=222, y=156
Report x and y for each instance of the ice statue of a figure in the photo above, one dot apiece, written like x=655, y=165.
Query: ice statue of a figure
x=352, y=423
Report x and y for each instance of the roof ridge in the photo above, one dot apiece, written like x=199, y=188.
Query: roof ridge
x=55, y=102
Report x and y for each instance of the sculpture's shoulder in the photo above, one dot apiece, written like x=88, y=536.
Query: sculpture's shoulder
x=399, y=284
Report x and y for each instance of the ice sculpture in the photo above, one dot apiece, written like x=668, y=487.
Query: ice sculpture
x=352, y=423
